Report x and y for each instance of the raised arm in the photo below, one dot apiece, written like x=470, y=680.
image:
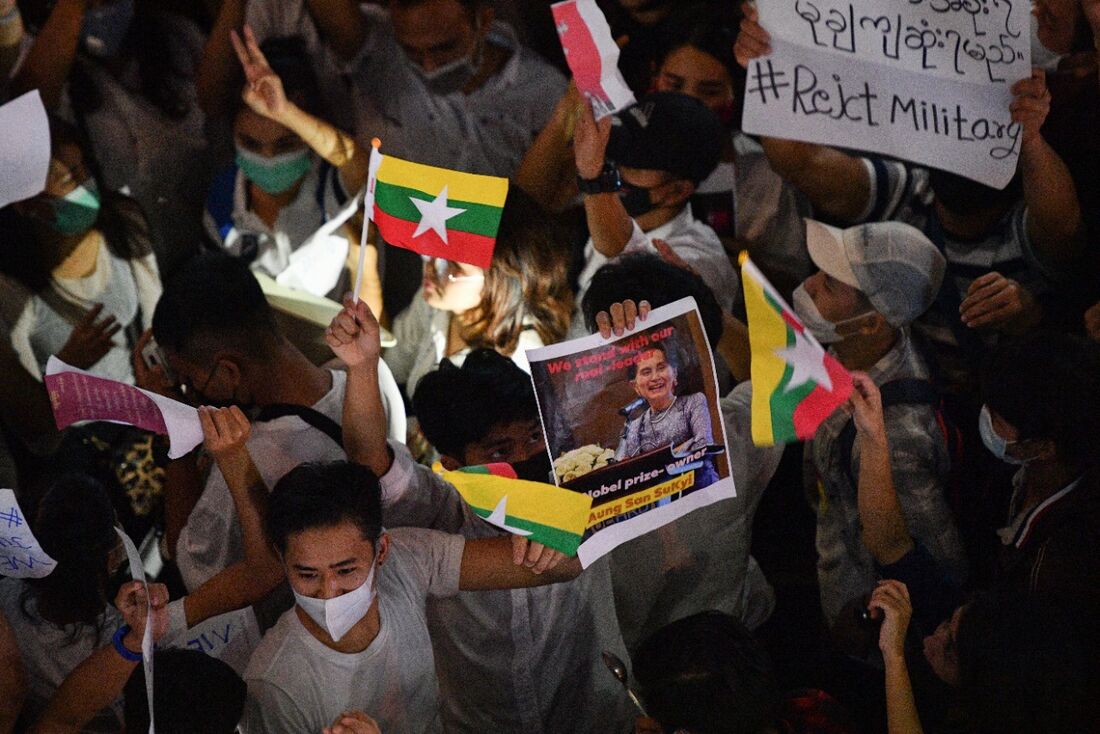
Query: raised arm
x=98, y=681
x=608, y=223
x=836, y=183
x=341, y=24
x=246, y=582
x=884, y=530
x=1053, y=211
x=547, y=171
x=50, y=59
x=264, y=93
x=891, y=601
x=219, y=77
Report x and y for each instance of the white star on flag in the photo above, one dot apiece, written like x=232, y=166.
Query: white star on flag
x=434, y=215
x=806, y=357
x=498, y=517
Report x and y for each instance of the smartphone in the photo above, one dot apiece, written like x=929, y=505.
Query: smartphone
x=153, y=357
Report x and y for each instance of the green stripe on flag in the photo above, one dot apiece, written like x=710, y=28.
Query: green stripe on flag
x=556, y=538
x=477, y=219
x=782, y=401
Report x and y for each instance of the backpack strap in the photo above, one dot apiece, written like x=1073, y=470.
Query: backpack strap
x=313, y=418
x=907, y=390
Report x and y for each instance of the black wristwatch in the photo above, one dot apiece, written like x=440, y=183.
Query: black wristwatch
x=608, y=182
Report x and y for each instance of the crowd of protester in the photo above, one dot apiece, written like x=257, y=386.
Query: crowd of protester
x=196, y=146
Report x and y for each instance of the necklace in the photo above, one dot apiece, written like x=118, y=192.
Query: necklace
x=658, y=417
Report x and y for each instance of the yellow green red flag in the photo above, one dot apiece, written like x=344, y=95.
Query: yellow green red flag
x=796, y=384
x=435, y=211
x=542, y=513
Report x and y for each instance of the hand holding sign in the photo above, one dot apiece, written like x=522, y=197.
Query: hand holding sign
x=1031, y=105
x=590, y=143
x=136, y=605
x=752, y=40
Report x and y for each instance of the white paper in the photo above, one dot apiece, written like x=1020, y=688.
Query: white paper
x=24, y=148
x=21, y=557
x=923, y=81
x=231, y=637
x=181, y=421
x=580, y=386
x=317, y=265
x=137, y=573
x=593, y=55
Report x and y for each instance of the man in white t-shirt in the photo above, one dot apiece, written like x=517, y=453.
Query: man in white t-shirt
x=357, y=639
x=637, y=170
x=219, y=336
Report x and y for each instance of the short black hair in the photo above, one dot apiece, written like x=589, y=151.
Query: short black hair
x=706, y=674
x=213, y=302
x=645, y=277
x=322, y=495
x=1047, y=385
x=1028, y=663
x=290, y=59
x=459, y=406
x=193, y=693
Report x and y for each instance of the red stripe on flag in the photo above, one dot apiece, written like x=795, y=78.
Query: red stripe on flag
x=581, y=51
x=462, y=247
x=820, y=404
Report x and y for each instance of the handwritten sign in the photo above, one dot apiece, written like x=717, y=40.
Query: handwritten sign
x=633, y=422
x=24, y=148
x=76, y=395
x=593, y=55
x=925, y=80
x=21, y=557
x=231, y=637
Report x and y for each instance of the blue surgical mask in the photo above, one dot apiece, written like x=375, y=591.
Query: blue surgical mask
x=993, y=441
x=105, y=28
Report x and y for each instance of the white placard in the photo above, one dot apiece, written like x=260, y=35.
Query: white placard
x=231, y=637
x=21, y=557
x=924, y=81
x=24, y=148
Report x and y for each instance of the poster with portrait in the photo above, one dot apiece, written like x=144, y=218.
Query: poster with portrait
x=634, y=422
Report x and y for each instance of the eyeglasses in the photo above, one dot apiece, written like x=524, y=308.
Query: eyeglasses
x=445, y=271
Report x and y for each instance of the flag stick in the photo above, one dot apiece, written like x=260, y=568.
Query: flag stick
x=367, y=216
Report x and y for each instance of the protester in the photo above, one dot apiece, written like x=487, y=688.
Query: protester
x=485, y=412
x=122, y=71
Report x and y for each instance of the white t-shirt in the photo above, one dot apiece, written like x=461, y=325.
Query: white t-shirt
x=297, y=684
x=211, y=539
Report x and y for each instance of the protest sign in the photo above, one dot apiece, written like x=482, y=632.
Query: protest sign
x=24, y=148
x=592, y=55
x=21, y=557
x=76, y=395
x=927, y=81
x=634, y=423
x=137, y=573
x=231, y=637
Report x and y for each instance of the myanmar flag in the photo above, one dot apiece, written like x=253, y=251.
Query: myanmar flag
x=435, y=211
x=539, y=512
x=796, y=384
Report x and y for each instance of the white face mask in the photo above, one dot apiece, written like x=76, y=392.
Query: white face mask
x=454, y=75
x=338, y=615
x=993, y=441
x=1042, y=56
x=822, y=329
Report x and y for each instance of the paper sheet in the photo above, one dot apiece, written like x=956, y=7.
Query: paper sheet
x=21, y=557
x=593, y=55
x=137, y=573
x=76, y=395
x=317, y=265
x=24, y=148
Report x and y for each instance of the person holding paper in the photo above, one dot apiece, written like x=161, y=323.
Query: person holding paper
x=638, y=170
x=480, y=413
x=1005, y=250
x=358, y=634
x=123, y=72
x=293, y=170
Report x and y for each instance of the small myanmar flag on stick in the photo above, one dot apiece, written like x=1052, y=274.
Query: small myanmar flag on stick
x=435, y=211
x=796, y=384
x=540, y=512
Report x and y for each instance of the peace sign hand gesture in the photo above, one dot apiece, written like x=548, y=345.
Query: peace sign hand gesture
x=263, y=89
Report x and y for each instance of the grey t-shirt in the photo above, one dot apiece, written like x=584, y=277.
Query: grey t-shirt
x=298, y=684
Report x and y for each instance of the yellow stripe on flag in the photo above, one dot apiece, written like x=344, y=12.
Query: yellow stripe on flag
x=469, y=187
x=767, y=333
x=535, y=502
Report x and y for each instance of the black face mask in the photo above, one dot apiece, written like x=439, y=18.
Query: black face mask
x=535, y=469
x=636, y=200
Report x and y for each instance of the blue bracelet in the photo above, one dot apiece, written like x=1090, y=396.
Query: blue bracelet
x=133, y=657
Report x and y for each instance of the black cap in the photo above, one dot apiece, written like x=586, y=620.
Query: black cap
x=670, y=132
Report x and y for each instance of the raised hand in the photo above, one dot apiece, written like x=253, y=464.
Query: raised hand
x=263, y=89
x=353, y=722
x=891, y=599
x=1030, y=105
x=91, y=339
x=225, y=431
x=622, y=317
x=132, y=603
x=865, y=406
x=752, y=40
x=590, y=142
x=353, y=335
